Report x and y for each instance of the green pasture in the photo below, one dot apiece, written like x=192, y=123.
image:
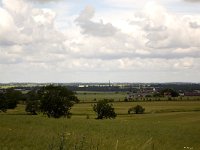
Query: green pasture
x=85, y=96
x=166, y=125
x=121, y=108
x=95, y=96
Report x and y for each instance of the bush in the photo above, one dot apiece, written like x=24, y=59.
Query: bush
x=137, y=110
x=104, y=110
x=125, y=99
x=109, y=99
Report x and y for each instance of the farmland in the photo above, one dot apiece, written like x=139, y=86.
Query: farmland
x=85, y=96
x=165, y=125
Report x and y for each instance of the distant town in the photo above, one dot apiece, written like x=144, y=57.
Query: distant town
x=133, y=89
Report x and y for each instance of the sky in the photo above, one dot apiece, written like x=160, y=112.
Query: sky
x=98, y=41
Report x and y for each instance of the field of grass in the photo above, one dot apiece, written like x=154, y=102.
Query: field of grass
x=85, y=96
x=95, y=96
x=121, y=108
x=167, y=125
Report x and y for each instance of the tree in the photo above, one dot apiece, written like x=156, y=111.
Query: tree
x=3, y=104
x=137, y=110
x=171, y=92
x=32, y=102
x=104, y=110
x=32, y=107
x=12, y=97
x=56, y=101
x=33, y=94
x=9, y=99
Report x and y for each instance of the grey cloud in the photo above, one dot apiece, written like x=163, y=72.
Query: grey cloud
x=5, y=42
x=98, y=29
x=86, y=14
x=10, y=61
x=45, y=1
x=151, y=53
x=164, y=30
x=94, y=28
x=148, y=27
x=6, y=58
x=193, y=1
x=159, y=36
x=194, y=25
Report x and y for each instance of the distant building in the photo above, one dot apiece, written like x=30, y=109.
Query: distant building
x=181, y=94
x=141, y=92
x=167, y=94
x=191, y=94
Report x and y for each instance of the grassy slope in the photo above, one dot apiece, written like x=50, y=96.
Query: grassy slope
x=174, y=130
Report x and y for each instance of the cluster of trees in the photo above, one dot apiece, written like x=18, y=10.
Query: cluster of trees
x=56, y=101
x=162, y=93
x=9, y=99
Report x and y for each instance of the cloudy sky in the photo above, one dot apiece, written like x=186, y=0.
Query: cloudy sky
x=99, y=40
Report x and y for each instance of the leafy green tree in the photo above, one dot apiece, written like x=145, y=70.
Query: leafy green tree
x=137, y=110
x=56, y=101
x=12, y=97
x=104, y=110
x=32, y=107
x=172, y=92
x=9, y=99
x=32, y=102
x=33, y=95
x=3, y=104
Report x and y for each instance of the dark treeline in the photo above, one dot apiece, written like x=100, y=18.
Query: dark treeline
x=99, y=89
x=184, y=87
x=187, y=87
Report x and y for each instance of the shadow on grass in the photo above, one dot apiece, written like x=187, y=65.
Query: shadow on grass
x=14, y=114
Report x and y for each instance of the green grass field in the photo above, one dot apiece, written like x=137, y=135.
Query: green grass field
x=85, y=96
x=95, y=96
x=166, y=125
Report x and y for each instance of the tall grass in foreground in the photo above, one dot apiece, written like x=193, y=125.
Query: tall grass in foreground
x=68, y=141
x=169, y=130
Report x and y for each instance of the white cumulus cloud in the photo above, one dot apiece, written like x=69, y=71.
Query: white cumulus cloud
x=147, y=40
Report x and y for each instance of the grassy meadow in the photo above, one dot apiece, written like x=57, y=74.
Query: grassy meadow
x=166, y=125
x=85, y=96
